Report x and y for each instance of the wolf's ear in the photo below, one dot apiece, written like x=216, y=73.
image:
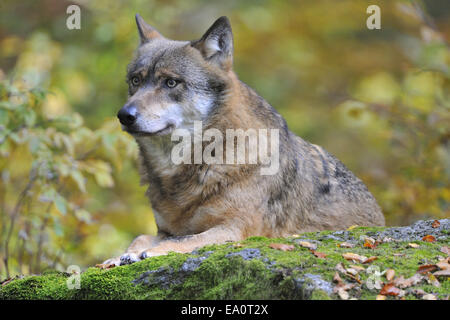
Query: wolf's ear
x=146, y=32
x=216, y=45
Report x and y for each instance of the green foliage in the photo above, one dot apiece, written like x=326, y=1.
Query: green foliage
x=46, y=163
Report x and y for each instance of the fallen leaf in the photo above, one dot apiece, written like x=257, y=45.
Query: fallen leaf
x=429, y=238
x=369, y=239
x=427, y=268
x=352, y=271
x=319, y=255
x=399, y=254
x=352, y=227
x=370, y=259
x=436, y=224
x=282, y=246
x=295, y=236
x=354, y=277
x=342, y=288
x=343, y=294
x=105, y=266
x=445, y=250
x=369, y=244
x=354, y=257
x=429, y=297
x=442, y=273
x=390, y=290
x=340, y=267
x=345, y=245
x=237, y=245
x=390, y=273
x=413, y=245
x=381, y=297
x=418, y=292
x=306, y=244
x=433, y=281
x=444, y=264
x=358, y=268
x=337, y=278
x=401, y=282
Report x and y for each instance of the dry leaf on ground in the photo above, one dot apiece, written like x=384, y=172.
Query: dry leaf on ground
x=340, y=267
x=337, y=278
x=436, y=224
x=306, y=244
x=282, y=246
x=444, y=264
x=442, y=273
x=433, y=280
x=354, y=257
x=417, y=292
x=105, y=266
x=413, y=245
x=427, y=268
x=445, y=250
x=390, y=273
x=381, y=297
x=429, y=297
x=370, y=259
x=345, y=245
x=341, y=290
x=401, y=282
x=429, y=238
x=371, y=243
x=358, y=268
x=343, y=294
x=319, y=255
x=390, y=290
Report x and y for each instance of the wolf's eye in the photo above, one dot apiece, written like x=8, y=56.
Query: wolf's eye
x=135, y=81
x=171, y=83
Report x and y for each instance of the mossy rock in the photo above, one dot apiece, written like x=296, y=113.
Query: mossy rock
x=252, y=269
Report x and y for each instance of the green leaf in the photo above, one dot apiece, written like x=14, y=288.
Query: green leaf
x=60, y=204
x=104, y=179
x=57, y=227
x=30, y=118
x=83, y=215
x=79, y=180
x=4, y=118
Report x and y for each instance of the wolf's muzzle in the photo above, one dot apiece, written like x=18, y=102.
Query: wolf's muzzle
x=128, y=115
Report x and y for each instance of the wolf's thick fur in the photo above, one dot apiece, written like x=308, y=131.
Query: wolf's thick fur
x=199, y=204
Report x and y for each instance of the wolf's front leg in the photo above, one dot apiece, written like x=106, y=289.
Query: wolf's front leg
x=185, y=244
x=137, y=246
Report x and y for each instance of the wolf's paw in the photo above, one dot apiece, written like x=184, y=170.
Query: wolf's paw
x=128, y=258
x=148, y=254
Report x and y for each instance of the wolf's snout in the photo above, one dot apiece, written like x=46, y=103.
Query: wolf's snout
x=127, y=115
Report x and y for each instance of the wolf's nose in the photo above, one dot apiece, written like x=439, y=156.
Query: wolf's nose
x=127, y=115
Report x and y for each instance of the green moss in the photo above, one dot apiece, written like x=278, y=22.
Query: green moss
x=320, y=295
x=274, y=274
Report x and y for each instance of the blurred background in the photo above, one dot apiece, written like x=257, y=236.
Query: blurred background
x=69, y=187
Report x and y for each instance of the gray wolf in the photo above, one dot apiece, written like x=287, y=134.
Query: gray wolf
x=174, y=83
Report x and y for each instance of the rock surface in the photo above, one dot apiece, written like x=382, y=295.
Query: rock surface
x=318, y=267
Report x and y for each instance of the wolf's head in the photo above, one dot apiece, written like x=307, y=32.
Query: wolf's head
x=174, y=83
